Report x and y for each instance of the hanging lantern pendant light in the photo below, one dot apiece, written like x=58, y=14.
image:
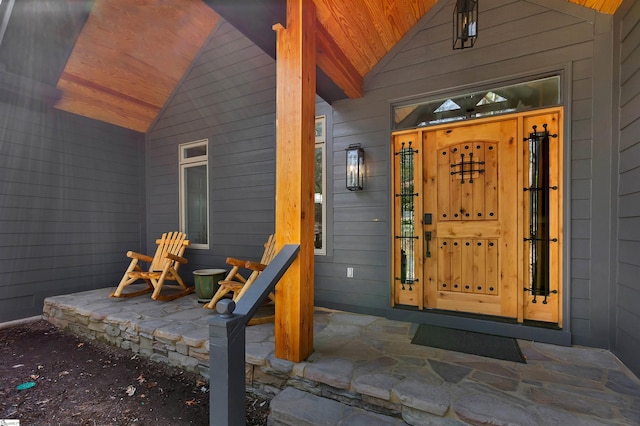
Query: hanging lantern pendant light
x=465, y=24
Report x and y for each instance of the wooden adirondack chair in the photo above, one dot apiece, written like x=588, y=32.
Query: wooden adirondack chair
x=234, y=282
x=163, y=267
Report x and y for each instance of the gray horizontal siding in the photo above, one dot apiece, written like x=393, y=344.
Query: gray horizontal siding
x=71, y=192
x=626, y=339
x=516, y=38
x=227, y=97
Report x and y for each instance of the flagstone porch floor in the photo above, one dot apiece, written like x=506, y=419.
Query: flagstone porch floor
x=364, y=369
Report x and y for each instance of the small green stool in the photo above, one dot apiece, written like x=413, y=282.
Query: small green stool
x=206, y=282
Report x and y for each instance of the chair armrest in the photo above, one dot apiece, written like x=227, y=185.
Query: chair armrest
x=236, y=262
x=230, y=284
x=179, y=259
x=255, y=266
x=143, y=257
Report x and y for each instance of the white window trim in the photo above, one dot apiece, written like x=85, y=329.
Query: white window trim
x=184, y=164
x=321, y=143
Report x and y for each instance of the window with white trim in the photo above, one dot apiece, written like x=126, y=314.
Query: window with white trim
x=320, y=214
x=194, y=192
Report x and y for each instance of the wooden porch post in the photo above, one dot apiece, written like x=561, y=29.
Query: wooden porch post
x=295, y=162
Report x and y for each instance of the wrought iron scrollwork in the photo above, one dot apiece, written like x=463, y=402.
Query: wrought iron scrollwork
x=470, y=170
x=539, y=238
x=407, y=234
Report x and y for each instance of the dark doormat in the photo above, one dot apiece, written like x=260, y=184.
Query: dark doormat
x=469, y=342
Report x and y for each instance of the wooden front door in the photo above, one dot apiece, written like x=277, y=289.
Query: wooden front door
x=461, y=219
x=470, y=191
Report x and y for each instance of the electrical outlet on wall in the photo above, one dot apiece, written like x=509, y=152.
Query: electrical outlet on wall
x=349, y=272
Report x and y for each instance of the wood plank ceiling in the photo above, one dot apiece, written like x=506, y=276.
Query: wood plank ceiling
x=365, y=30
x=131, y=54
x=129, y=57
x=605, y=6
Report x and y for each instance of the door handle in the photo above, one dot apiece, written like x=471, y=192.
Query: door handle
x=427, y=238
x=427, y=235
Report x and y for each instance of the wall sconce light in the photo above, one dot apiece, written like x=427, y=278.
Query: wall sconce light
x=355, y=168
x=465, y=24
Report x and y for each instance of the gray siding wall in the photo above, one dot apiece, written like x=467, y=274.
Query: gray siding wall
x=626, y=334
x=516, y=39
x=227, y=97
x=71, y=197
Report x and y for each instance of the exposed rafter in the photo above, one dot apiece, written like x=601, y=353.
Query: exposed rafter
x=332, y=60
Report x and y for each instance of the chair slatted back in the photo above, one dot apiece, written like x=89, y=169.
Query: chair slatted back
x=172, y=242
x=269, y=250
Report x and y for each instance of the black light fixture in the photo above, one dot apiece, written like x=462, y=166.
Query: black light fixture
x=355, y=168
x=465, y=23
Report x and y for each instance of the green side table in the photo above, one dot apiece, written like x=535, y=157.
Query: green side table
x=206, y=282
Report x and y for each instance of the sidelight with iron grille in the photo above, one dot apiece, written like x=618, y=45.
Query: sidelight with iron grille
x=539, y=234
x=406, y=234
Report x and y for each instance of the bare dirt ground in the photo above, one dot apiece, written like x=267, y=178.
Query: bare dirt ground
x=78, y=382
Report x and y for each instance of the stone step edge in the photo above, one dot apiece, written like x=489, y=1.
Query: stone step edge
x=114, y=332
x=294, y=407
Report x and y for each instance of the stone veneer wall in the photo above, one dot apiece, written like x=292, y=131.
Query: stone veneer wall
x=184, y=346
x=155, y=339
x=177, y=334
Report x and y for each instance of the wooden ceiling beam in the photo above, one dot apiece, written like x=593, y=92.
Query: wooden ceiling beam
x=332, y=60
x=120, y=72
x=353, y=27
x=106, y=106
x=95, y=88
